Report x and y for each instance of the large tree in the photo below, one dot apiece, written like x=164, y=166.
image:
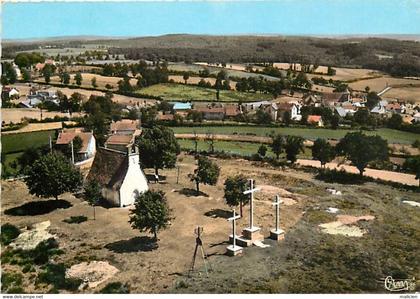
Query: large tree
x=207, y=172
x=361, y=149
x=277, y=145
x=52, y=175
x=186, y=76
x=78, y=78
x=323, y=151
x=293, y=146
x=151, y=212
x=158, y=148
x=234, y=191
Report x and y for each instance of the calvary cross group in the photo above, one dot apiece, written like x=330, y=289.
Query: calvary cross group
x=251, y=235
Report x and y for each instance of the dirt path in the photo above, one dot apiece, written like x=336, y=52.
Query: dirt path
x=398, y=177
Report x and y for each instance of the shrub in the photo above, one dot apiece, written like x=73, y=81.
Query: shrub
x=341, y=177
x=39, y=255
x=8, y=233
x=115, y=288
x=76, y=219
x=55, y=275
x=11, y=282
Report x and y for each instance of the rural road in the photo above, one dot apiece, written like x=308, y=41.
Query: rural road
x=398, y=177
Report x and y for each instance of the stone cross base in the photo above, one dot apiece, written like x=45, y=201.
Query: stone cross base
x=277, y=235
x=232, y=251
x=241, y=241
x=252, y=233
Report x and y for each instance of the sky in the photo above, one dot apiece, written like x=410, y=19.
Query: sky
x=152, y=18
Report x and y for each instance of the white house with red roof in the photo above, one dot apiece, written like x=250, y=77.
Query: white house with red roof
x=88, y=148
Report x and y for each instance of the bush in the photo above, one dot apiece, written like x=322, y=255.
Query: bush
x=39, y=255
x=9, y=232
x=115, y=288
x=341, y=177
x=55, y=275
x=76, y=219
x=11, y=283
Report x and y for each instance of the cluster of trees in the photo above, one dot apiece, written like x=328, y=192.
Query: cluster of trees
x=291, y=145
x=115, y=70
x=26, y=60
x=260, y=84
x=65, y=78
x=100, y=110
x=8, y=73
x=403, y=65
x=357, y=147
x=339, y=86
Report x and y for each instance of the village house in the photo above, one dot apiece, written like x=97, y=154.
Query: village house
x=88, y=148
x=272, y=109
x=31, y=101
x=165, y=116
x=249, y=107
x=312, y=100
x=123, y=134
x=182, y=108
x=292, y=107
x=330, y=99
x=395, y=107
x=10, y=92
x=348, y=107
x=39, y=66
x=125, y=127
x=119, y=142
x=119, y=175
x=212, y=113
x=17, y=70
x=380, y=108
x=232, y=110
x=315, y=120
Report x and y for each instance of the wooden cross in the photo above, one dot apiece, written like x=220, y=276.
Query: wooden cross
x=233, y=219
x=277, y=205
x=251, y=191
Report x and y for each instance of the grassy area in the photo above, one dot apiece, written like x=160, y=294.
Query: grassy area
x=171, y=91
x=181, y=67
x=393, y=136
x=19, y=142
x=14, y=145
x=10, y=166
x=241, y=148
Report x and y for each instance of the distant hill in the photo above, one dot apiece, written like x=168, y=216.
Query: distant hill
x=346, y=51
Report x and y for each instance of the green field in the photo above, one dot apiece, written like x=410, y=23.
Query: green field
x=181, y=67
x=393, y=136
x=14, y=145
x=241, y=148
x=171, y=91
x=19, y=142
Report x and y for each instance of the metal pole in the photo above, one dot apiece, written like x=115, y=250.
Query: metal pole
x=251, y=205
x=234, y=229
x=50, y=144
x=277, y=212
x=72, y=152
